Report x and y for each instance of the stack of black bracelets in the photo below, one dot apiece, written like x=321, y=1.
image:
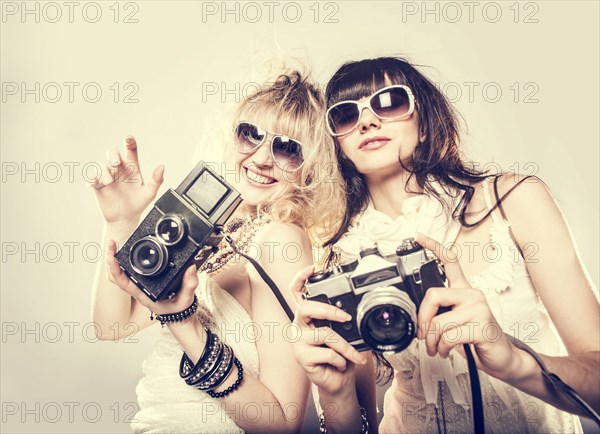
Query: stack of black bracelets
x=214, y=365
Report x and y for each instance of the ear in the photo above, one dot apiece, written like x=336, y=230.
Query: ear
x=422, y=135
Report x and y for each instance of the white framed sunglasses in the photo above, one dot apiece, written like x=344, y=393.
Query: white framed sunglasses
x=395, y=102
x=286, y=152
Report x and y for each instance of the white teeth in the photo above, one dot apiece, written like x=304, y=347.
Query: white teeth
x=253, y=176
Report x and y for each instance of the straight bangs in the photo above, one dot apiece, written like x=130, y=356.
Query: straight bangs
x=356, y=80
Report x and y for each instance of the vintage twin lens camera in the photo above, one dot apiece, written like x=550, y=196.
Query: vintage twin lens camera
x=382, y=293
x=183, y=227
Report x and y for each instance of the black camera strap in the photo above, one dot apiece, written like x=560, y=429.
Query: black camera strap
x=555, y=381
x=263, y=274
x=478, y=420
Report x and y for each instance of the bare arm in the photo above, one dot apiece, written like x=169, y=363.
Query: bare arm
x=122, y=196
x=343, y=377
x=276, y=401
x=341, y=409
x=565, y=289
x=580, y=371
x=562, y=285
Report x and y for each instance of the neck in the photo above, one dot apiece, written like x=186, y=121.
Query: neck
x=388, y=190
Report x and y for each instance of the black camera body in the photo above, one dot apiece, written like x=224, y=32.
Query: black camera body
x=382, y=293
x=183, y=227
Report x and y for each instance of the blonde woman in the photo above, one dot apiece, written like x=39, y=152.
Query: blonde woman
x=279, y=150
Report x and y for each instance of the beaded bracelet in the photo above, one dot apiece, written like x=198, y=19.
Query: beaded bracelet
x=240, y=377
x=186, y=367
x=213, y=368
x=224, y=368
x=364, y=423
x=179, y=316
x=205, y=368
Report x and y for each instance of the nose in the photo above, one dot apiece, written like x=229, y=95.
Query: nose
x=367, y=120
x=262, y=156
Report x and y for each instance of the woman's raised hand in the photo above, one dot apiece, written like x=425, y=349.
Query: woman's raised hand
x=327, y=358
x=469, y=322
x=120, y=189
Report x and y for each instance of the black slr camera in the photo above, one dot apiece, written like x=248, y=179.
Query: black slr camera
x=183, y=227
x=382, y=293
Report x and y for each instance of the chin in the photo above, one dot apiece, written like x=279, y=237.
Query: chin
x=255, y=196
x=379, y=166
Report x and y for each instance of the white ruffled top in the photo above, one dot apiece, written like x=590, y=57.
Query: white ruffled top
x=167, y=404
x=412, y=401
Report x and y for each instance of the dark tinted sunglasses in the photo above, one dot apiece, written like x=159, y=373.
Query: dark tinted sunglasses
x=390, y=103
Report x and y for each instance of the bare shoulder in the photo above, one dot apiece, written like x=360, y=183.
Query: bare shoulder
x=280, y=232
x=284, y=249
x=283, y=245
x=524, y=195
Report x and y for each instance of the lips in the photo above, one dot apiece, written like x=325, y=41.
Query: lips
x=373, y=142
x=255, y=177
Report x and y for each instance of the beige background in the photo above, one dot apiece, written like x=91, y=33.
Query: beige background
x=55, y=377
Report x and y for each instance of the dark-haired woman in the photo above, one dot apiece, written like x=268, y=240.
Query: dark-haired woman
x=397, y=143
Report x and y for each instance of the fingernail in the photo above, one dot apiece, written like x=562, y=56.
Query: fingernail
x=129, y=139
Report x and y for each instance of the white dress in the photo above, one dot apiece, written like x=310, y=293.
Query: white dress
x=413, y=403
x=167, y=404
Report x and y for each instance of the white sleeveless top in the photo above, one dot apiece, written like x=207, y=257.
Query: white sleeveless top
x=422, y=383
x=167, y=404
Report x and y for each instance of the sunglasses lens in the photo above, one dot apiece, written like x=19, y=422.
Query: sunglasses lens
x=248, y=137
x=391, y=103
x=343, y=117
x=287, y=153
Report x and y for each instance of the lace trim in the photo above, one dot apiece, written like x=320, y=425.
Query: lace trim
x=503, y=256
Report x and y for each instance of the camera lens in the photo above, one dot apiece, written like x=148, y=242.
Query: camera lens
x=386, y=319
x=148, y=257
x=170, y=229
x=385, y=323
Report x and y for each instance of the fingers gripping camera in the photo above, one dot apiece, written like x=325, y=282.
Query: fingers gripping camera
x=382, y=293
x=183, y=227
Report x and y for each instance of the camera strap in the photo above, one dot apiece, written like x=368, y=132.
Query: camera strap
x=555, y=381
x=263, y=274
x=478, y=419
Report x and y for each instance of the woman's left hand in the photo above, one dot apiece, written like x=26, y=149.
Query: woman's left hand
x=181, y=301
x=469, y=322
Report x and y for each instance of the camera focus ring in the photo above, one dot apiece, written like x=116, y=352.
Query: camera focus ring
x=148, y=257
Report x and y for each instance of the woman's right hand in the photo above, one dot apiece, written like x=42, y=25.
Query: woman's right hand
x=120, y=189
x=328, y=359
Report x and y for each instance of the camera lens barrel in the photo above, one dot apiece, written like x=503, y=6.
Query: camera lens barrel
x=148, y=257
x=386, y=318
x=170, y=229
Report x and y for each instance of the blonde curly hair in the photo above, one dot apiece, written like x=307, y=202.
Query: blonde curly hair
x=295, y=105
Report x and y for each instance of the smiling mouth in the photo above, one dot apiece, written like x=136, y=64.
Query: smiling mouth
x=257, y=178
